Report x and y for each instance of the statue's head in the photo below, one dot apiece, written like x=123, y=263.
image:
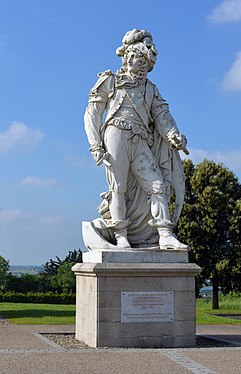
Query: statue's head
x=138, y=43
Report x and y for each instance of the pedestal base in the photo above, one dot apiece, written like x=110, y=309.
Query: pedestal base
x=136, y=304
x=140, y=255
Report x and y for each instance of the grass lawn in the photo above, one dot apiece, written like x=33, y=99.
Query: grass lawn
x=52, y=314
x=38, y=314
x=205, y=315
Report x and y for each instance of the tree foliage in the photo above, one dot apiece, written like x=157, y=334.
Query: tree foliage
x=50, y=268
x=58, y=272
x=211, y=224
x=56, y=277
x=29, y=283
x=65, y=278
x=4, y=268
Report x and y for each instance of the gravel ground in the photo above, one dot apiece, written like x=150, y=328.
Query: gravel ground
x=68, y=341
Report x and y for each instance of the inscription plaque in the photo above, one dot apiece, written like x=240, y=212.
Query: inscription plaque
x=147, y=307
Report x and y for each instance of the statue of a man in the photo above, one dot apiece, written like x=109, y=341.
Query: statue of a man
x=138, y=141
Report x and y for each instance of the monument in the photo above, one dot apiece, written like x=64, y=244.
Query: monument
x=135, y=287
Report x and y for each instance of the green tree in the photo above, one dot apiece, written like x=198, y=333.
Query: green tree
x=50, y=268
x=65, y=278
x=4, y=268
x=58, y=272
x=232, y=278
x=211, y=223
x=28, y=283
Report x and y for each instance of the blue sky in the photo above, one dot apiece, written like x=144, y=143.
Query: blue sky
x=50, y=54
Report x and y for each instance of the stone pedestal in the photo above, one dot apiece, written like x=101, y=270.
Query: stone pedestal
x=135, y=256
x=133, y=302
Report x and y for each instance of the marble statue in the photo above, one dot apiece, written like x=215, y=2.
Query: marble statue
x=132, y=132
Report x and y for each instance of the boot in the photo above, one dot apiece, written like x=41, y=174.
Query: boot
x=167, y=239
x=121, y=239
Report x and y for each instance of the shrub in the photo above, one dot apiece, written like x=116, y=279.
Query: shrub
x=37, y=298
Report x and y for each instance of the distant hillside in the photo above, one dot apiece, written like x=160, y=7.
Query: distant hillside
x=30, y=269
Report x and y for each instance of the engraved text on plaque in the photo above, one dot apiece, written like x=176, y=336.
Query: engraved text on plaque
x=147, y=306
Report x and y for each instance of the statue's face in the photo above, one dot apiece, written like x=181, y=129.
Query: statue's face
x=134, y=62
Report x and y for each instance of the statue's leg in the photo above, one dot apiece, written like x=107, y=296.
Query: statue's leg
x=146, y=170
x=159, y=205
x=118, y=216
x=117, y=206
x=116, y=175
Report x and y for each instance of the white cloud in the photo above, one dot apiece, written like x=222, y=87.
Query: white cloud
x=232, y=78
x=11, y=215
x=39, y=182
x=51, y=220
x=230, y=159
x=226, y=12
x=19, y=135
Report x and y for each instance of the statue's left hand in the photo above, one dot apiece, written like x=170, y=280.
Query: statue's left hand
x=98, y=155
x=179, y=141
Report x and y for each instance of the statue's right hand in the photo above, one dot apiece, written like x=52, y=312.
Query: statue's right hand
x=98, y=154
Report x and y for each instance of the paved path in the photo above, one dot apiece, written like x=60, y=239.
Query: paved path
x=23, y=350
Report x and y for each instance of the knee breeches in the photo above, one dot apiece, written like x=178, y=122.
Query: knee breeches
x=130, y=152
